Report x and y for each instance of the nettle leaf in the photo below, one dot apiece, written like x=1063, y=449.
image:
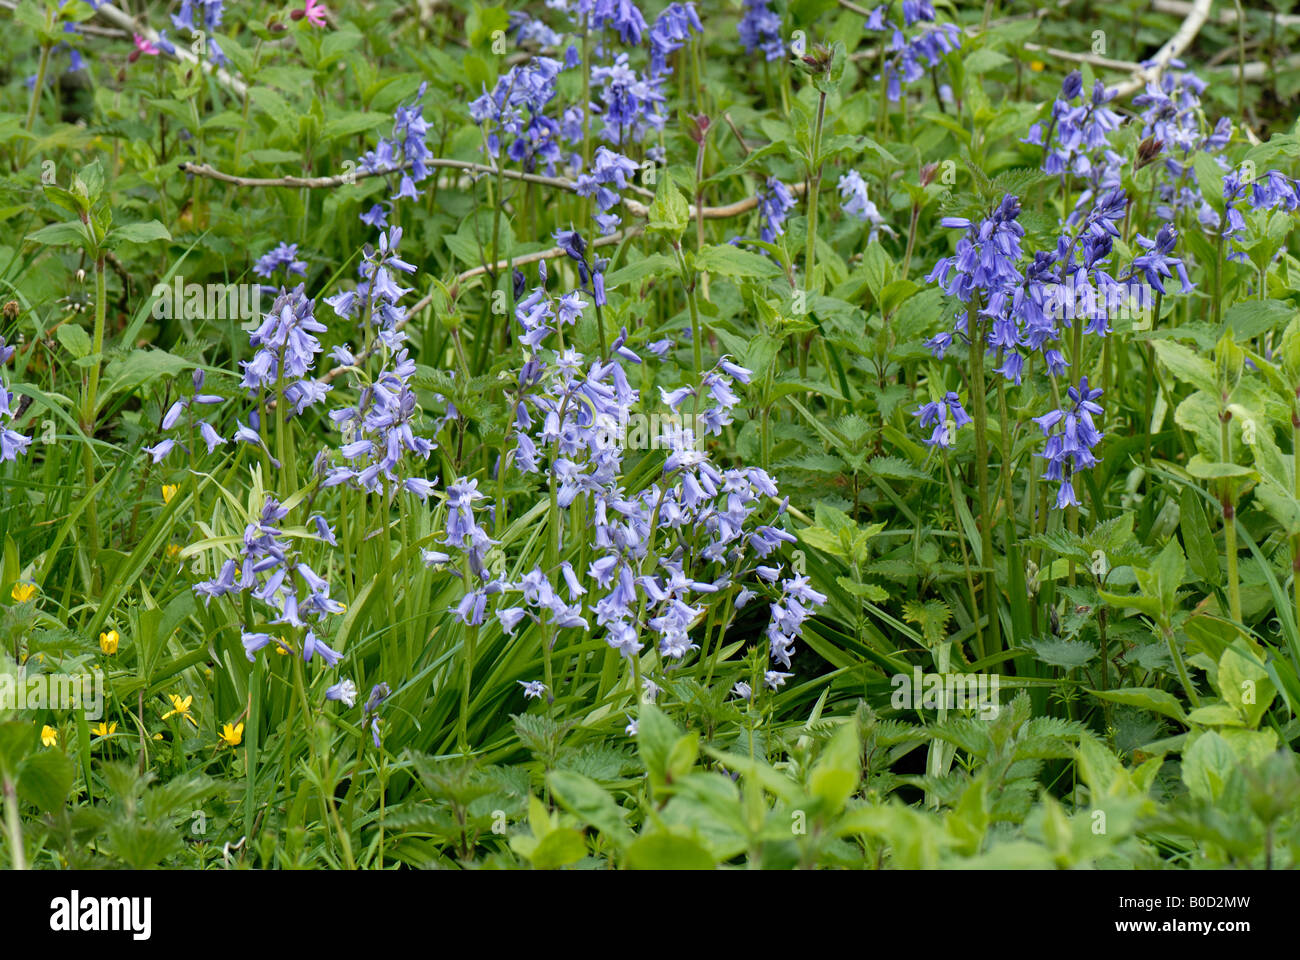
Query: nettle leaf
x=1063, y=543
x=895, y=468
x=45, y=779
x=1066, y=654
x=867, y=591
x=932, y=617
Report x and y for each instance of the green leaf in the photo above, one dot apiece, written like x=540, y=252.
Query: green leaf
x=351, y=123
x=74, y=339
x=68, y=233
x=1209, y=177
x=1059, y=652
x=634, y=273
x=141, y=368
x=16, y=740
x=559, y=848
x=1187, y=366
x=669, y=213
x=1145, y=698
x=1207, y=764
x=45, y=779
x=1202, y=555
x=835, y=775
x=586, y=800
x=138, y=233
x=668, y=851
x=728, y=261
x=656, y=736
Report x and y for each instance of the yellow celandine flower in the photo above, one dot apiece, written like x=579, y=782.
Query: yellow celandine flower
x=104, y=729
x=157, y=736
x=22, y=592
x=180, y=708
x=169, y=491
x=108, y=642
x=49, y=736
x=173, y=551
x=232, y=734
x=1037, y=66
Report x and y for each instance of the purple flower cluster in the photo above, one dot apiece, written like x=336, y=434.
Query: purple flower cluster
x=1022, y=306
x=1071, y=436
x=210, y=14
x=374, y=300
x=286, y=352
x=284, y=256
x=12, y=443
x=1272, y=190
x=855, y=203
x=570, y=421
x=760, y=29
x=378, y=431
x=1174, y=121
x=774, y=204
x=911, y=53
x=516, y=108
x=630, y=100
x=159, y=451
x=671, y=31
x=946, y=416
x=271, y=570
x=610, y=172
x=621, y=16
x=1077, y=139
x=406, y=147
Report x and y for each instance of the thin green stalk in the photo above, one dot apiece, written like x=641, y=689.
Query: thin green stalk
x=1230, y=523
x=814, y=184
x=13, y=826
x=980, y=415
x=40, y=86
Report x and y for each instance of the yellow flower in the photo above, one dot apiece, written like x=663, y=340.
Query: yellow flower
x=169, y=491
x=108, y=642
x=49, y=736
x=232, y=735
x=22, y=592
x=173, y=551
x=1037, y=66
x=104, y=729
x=180, y=708
x=157, y=736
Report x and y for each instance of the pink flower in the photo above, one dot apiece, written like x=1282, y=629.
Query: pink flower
x=144, y=46
x=314, y=13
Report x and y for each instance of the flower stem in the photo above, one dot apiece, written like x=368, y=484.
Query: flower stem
x=814, y=185
x=40, y=86
x=980, y=415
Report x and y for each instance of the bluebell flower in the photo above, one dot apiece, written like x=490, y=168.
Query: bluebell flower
x=774, y=204
x=1071, y=436
x=760, y=30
